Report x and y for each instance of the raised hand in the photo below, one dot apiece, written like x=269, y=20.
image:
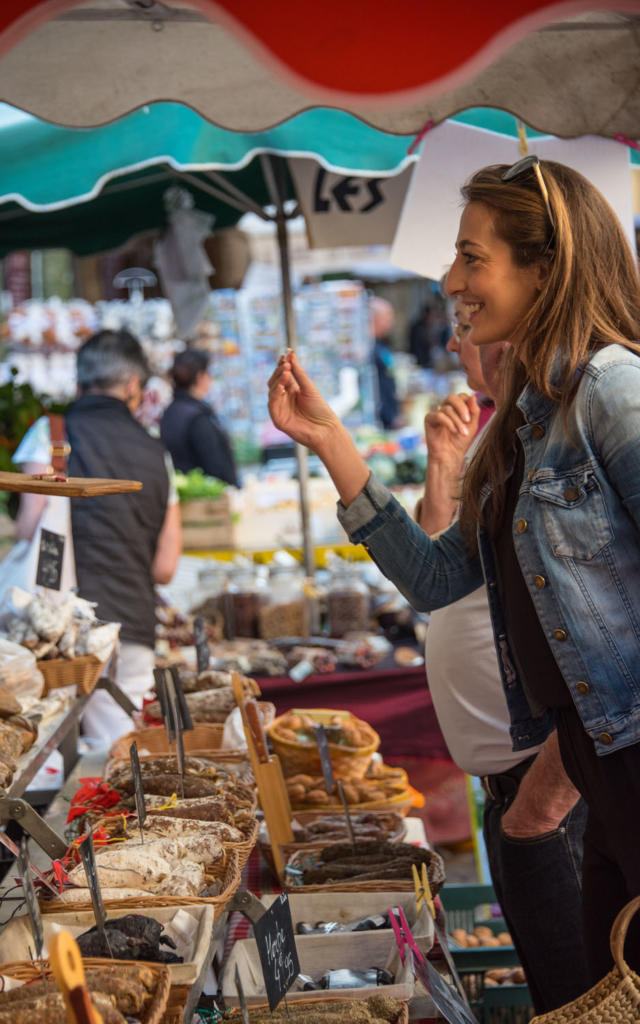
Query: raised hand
x=450, y=429
x=297, y=407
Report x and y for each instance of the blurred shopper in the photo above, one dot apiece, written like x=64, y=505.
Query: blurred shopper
x=533, y=819
x=123, y=543
x=382, y=319
x=190, y=428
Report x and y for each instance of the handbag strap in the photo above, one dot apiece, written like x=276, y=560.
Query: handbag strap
x=619, y=934
x=60, y=447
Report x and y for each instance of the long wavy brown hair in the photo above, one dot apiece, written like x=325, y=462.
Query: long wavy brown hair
x=590, y=298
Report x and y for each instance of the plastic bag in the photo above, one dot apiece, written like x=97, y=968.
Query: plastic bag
x=233, y=737
x=19, y=671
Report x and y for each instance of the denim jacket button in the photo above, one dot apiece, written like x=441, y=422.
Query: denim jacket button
x=538, y=431
x=583, y=687
x=571, y=493
x=559, y=634
x=540, y=582
x=521, y=525
x=606, y=738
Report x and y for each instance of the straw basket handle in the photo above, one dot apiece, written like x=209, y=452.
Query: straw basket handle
x=619, y=934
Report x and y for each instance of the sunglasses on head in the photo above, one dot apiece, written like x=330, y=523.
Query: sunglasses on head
x=530, y=163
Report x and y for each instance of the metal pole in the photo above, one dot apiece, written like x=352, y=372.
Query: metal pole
x=273, y=175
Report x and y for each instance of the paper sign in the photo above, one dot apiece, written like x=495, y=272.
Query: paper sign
x=50, y=555
x=33, y=907
x=277, y=948
x=201, y=642
x=448, y=1001
x=87, y=853
x=183, y=707
x=137, y=786
x=325, y=758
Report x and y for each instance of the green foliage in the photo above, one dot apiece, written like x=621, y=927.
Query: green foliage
x=195, y=484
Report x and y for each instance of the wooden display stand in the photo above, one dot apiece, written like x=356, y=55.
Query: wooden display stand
x=267, y=769
x=70, y=487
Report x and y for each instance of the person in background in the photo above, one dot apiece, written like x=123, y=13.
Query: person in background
x=535, y=874
x=382, y=318
x=123, y=543
x=190, y=428
x=427, y=337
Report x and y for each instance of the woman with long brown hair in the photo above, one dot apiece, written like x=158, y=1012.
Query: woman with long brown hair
x=550, y=514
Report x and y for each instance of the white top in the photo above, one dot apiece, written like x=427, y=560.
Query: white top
x=465, y=683
x=36, y=447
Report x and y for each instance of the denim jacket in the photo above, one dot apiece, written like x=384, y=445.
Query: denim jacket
x=576, y=535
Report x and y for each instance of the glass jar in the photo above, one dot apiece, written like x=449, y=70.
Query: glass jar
x=285, y=613
x=348, y=601
x=245, y=595
x=212, y=581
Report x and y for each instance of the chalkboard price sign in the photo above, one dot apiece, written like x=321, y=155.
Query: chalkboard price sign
x=87, y=853
x=201, y=642
x=325, y=758
x=277, y=948
x=137, y=786
x=50, y=555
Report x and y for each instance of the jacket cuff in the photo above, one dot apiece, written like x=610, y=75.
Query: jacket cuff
x=373, y=497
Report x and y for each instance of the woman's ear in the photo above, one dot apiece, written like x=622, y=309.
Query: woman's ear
x=542, y=271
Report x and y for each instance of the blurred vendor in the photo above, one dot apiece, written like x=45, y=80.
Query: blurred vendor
x=123, y=543
x=190, y=428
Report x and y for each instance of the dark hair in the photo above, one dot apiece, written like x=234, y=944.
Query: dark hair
x=108, y=359
x=188, y=365
x=590, y=298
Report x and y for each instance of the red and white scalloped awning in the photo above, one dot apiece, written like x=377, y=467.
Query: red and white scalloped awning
x=247, y=64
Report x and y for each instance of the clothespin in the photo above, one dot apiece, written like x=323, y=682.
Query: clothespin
x=403, y=934
x=522, y=137
x=422, y=888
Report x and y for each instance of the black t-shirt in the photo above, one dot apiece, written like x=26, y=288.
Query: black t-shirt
x=541, y=678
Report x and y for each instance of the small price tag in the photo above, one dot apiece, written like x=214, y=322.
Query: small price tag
x=50, y=556
x=201, y=642
x=325, y=758
x=277, y=948
x=448, y=1001
x=174, y=709
x=347, y=816
x=137, y=787
x=88, y=855
x=33, y=907
x=183, y=707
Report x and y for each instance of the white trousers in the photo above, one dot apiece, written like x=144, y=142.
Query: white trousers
x=103, y=719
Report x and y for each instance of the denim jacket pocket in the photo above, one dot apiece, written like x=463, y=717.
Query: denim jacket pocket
x=574, y=515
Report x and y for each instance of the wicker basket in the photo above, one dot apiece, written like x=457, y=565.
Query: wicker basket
x=435, y=873
x=234, y=1014
x=82, y=672
x=616, y=998
x=227, y=872
x=347, y=762
x=402, y=803
x=203, y=740
x=31, y=971
x=288, y=849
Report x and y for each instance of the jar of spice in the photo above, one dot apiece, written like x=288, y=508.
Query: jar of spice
x=211, y=603
x=347, y=601
x=246, y=593
x=285, y=613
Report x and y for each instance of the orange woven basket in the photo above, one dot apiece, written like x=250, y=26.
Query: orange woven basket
x=227, y=872
x=153, y=1014
x=347, y=762
x=82, y=672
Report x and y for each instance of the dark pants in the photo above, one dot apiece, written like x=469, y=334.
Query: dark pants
x=537, y=883
x=610, y=786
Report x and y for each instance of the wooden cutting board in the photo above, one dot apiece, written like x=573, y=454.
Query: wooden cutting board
x=72, y=487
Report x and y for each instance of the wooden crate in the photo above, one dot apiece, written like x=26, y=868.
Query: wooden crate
x=207, y=523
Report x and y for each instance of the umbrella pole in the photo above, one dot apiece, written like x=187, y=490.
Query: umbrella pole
x=272, y=175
